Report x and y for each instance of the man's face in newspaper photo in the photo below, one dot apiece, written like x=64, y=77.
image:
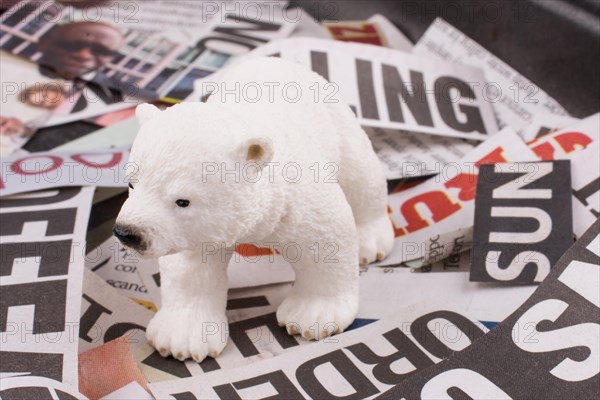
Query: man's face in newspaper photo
x=78, y=48
x=11, y=127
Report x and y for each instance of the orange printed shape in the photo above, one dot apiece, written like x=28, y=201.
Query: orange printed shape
x=107, y=368
x=438, y=202
x=466, y=183
x=571, y=141
x=250, y=250
x=355, y=32
x=568, y=141
x=544, y=151
x=397, y=231
x=493, y=157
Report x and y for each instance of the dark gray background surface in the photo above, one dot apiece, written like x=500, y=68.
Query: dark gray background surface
x=554, y=43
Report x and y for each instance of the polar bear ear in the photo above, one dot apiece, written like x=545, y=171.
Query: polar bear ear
x=144, y=112
x=259, y=150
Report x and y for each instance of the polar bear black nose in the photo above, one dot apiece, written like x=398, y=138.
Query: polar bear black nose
x=127, y=236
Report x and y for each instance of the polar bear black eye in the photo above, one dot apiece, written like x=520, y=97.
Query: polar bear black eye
x=130, y=185
x=182, y=203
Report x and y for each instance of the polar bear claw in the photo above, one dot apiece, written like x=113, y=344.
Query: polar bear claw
x=317, y=317
x=375, y=238
x=179, y=333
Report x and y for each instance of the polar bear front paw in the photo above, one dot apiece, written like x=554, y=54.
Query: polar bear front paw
x=316, y=317
x=185, y=333
x=375, y=239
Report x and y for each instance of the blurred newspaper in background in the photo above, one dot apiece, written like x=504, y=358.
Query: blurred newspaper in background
x=151, y=61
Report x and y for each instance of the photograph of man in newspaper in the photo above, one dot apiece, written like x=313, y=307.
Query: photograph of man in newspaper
x=114, y=53
x=80, y=49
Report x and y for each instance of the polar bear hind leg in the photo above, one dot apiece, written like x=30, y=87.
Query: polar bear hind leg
x=363, y=182
x=363, y=192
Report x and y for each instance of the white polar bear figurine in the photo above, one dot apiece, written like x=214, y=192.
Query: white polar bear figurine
x=287, y=168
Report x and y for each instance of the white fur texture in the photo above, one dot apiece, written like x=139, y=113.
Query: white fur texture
x=334, y=212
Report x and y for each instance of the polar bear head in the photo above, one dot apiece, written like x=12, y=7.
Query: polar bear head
x=195, y=180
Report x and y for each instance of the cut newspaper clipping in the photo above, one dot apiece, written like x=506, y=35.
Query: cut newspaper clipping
x=548, y=348
x=384, y=87
x=445, y=203
x=147, y=64
x=355, y=364
x=37, y=171
x=515, y=98
x=520, y=227
x=41, y=279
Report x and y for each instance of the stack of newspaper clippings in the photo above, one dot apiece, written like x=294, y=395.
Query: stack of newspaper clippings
x=492, y=289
